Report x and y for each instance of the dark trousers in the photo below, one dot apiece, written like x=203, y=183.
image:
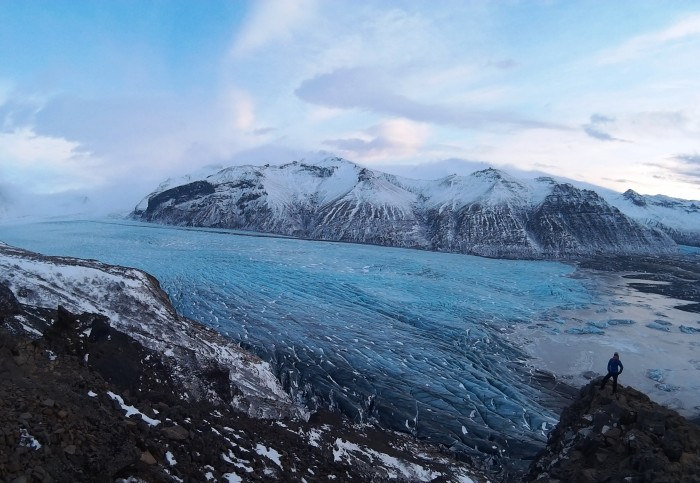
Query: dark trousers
x=614, y=378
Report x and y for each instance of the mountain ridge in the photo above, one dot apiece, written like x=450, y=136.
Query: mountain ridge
x=488, y=213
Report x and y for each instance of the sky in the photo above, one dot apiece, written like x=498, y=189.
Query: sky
x=102, y=101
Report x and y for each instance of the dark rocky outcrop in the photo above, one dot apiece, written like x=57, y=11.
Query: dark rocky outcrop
x=179, y=194
x=605, y=437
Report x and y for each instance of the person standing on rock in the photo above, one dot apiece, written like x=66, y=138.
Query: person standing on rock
x=614, y=369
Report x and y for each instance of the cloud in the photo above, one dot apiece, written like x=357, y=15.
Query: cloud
x=48, y=164
x=594, y=132
x=618, y=180
x=367, y=89
x=241, y=109
x=601, y=119
x=688, y=158
x=270, y=22
x=650, y=44
x=263, y=131
x=6, y=89
x=504, y=64
x=680, y=168
x=594, y=128
x=435, y=169
x=687, y=168
x=395, y=139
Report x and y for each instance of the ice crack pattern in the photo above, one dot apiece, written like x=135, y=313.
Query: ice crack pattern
x=409, y=339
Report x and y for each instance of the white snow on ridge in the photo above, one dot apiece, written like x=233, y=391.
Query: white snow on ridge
x=198, y=175
x=296, y=181
x=327, y=180
x=682, y=215
x=134, y=304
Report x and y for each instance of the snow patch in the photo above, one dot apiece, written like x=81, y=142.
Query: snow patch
x=27, y=440
x=342, y=450
x=269, y=453
x=131, y=410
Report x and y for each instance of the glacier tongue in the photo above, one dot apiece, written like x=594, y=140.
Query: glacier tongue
x=413, y=340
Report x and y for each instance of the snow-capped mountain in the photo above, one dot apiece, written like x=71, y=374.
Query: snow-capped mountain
x=487, y=213
x=680, y=219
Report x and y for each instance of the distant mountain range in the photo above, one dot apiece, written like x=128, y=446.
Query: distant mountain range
x=487, y=213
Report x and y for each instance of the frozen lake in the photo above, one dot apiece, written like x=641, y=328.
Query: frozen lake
x=445, y=346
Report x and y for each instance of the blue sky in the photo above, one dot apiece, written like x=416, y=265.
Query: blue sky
x=110, y=98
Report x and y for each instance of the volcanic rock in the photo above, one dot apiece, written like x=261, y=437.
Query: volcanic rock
x=619, y=437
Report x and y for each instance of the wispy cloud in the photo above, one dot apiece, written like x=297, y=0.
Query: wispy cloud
x=595, y=128
x=649, y=44
x=688, y=158
x=504, y=64
x=358, y=88
x=395, y=139
x=688, y=169
x=271, y=22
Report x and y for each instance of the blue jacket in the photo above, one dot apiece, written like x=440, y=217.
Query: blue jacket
x=615, y=366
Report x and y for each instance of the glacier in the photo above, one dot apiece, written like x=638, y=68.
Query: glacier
x=434, y=344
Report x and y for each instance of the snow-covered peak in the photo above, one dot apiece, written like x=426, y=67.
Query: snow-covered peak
x=679, y=218
x=489, y=187
x=335, y=199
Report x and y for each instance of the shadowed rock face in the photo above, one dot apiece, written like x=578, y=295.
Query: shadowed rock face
x=619, y=437
x=487, y=213
x=570, y=220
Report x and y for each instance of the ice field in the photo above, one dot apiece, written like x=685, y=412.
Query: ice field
x=444, y=346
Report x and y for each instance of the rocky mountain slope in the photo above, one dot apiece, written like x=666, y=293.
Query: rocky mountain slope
x=133, y=302
x=488, y=213
x=100, y=380
x=679, y=219
x=619, y=437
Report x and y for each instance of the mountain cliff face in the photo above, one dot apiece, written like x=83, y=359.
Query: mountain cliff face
x=487, y=213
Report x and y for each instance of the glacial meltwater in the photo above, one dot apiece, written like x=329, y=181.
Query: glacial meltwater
x=445, y=346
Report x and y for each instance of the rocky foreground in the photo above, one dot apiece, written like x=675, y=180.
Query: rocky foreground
x=113, y=416
x=619, y=437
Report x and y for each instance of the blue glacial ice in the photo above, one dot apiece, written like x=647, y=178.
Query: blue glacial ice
x=410, y=339
x=661, y=325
